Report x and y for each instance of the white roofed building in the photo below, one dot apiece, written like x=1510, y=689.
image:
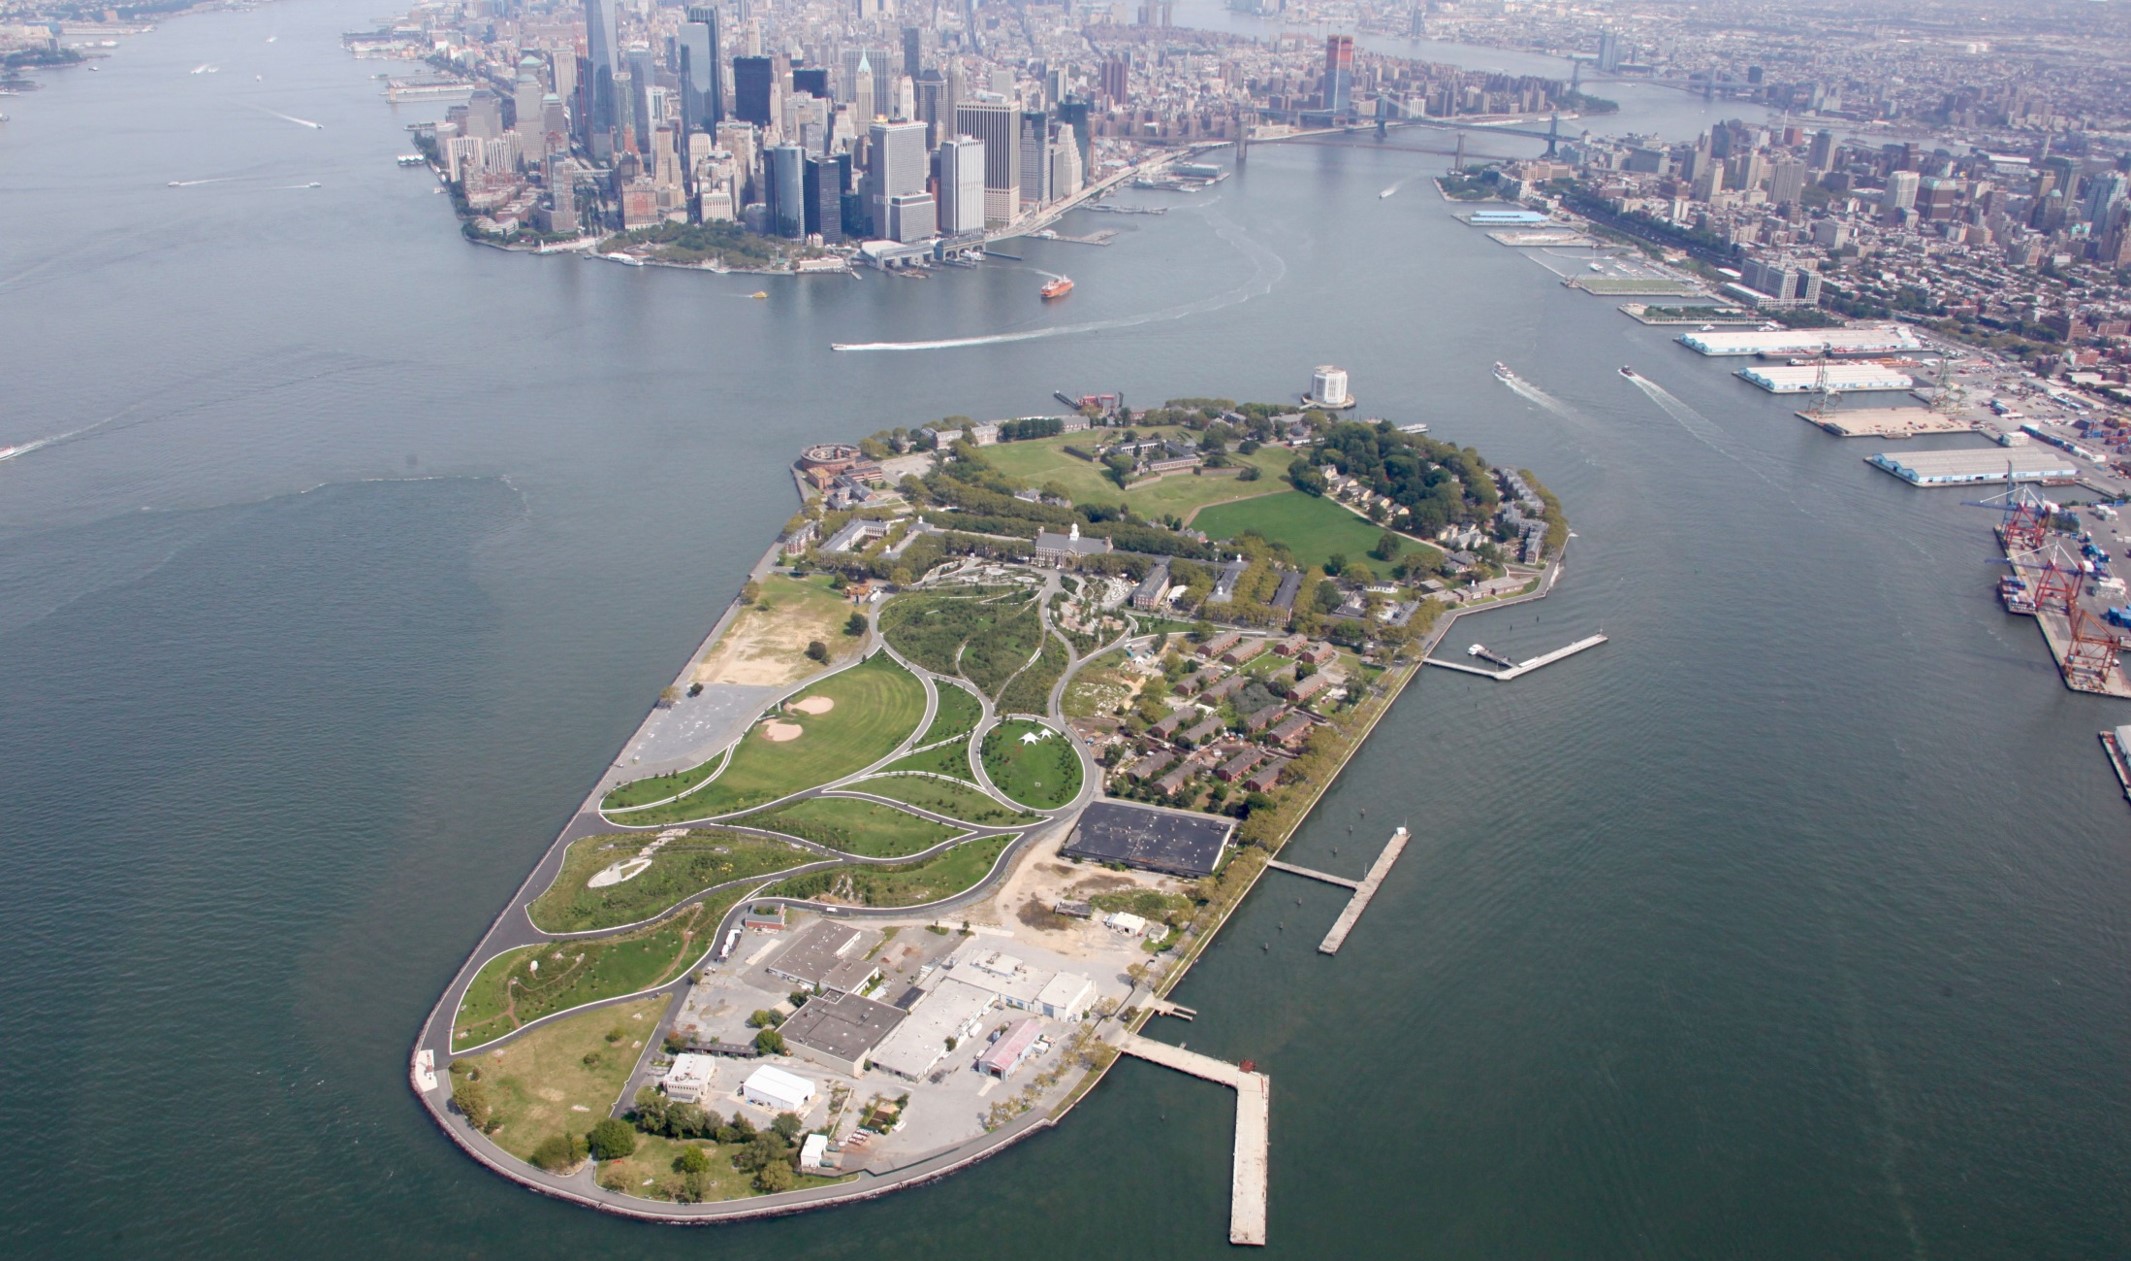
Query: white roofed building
x=689, y=1078
x=773, y=1088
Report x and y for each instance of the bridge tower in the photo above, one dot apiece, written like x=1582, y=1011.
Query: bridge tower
x=1553, y=134
x=1457, y=161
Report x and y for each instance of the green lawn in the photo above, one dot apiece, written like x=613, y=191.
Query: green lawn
x=956, y=801
x=877, y=703
x=985, y=637
x=866, y=828
x=1045, y=460
x=947, y=759
x=682, y=866
x=904, y=884
x=563, y=1077
x=1312, y=527
x=648, y=1173
x=957, y=713
x=639, y=792
x=1042, y=774
x=520, y=986
x=1030, y=691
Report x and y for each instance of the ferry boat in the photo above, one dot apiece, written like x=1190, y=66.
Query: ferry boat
x=1502, y=372
x=1057, y=287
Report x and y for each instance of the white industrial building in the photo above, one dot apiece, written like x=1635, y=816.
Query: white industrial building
x=950, y=1012
x=1965, y=468
x=689, y=1078
x=773, y=1088
x=1884, y=340
x=1843, y=378
x=1059, y=995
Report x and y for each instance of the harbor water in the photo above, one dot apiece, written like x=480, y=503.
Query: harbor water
x=1790, y=923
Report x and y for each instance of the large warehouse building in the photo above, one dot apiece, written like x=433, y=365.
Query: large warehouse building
x=1966, y=468
x=1175, y=842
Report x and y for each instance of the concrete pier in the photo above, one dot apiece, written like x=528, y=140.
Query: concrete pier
x=1313, y=874
x=1247, y=1185
x=1364, y=890
x=1522, y=667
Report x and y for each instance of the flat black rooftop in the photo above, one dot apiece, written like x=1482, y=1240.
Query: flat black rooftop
x=1174, y=841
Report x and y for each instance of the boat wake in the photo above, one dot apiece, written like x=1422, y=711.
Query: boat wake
x=1267, y=270
x=1533, y=394
x=291, y=118
x=16, y=453
x=1694, y=422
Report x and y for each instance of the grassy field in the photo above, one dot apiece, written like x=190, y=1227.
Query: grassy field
x=767, y=641
x=956, y=801
x=866, y=828
x=564, y=1076
x=1044, y=460
x=1029, y=692
x=876, y=704
x=1042, y=774
x=957, y=713
x=1312, y=527
x=905, y=884
x=681, y=867
x=947, y=759
x=648, y=1173
x=638, y=792
x=984, y=638
x=520, y=986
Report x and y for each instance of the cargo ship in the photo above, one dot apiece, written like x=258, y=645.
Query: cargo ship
x=1057, y=287
x=1502, y=372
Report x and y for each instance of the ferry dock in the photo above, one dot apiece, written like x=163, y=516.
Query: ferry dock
x=1364, y=888
x=1247, y=1181
x=1522, y=667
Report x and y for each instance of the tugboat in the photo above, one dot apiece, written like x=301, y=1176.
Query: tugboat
x=1056, y=287
x=1502, y=372
x=1627, y=372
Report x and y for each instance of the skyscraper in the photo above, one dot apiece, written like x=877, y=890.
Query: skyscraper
x=824, y=199
x=1339, y=73
x=600, y=41
x=751, y=90
x=1608, y=51
x=961, y=185
x=702, y=75
x=996, y=123
x=896, y=167
x=2104, y=191
x=1035, y=141
x=1901, y=192
x=1821, y=155
x=787, y=190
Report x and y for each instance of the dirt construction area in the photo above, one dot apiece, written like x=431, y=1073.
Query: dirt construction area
x=766, y=644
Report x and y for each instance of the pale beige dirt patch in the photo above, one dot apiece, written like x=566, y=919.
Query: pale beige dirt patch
x=815, y=704
x=779, y=732
x=762, y=648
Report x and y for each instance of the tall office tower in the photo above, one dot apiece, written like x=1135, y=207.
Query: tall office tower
x=787, y=190
x=825, y=199
x=601, y=53
x=814, y=81
x=1065, y=164
x=624, y=132
x=1117, y=79
x=951, y=98
x=2104, y=191
x=1074, y=113
x=751, y=90
x=931, y=94
x=562, y=67
x=484, y=115
x=913, y=50
x=1035, y=141
x=1339, y=73
x=961, y=185
x=912, y=217
x=996, y=123
x=905, y=108
x=1821, y=155
x=562, y=195
x=1901, y=192
x=702, y=75
x=1720, y=140
x=526, y=94
x=643, y=78
x=1786, y=181
x=862, y=88
x=1608, y=51
x=895, y=167
x=554, y=125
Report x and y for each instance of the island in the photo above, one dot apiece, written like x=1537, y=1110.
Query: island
x=995, y=736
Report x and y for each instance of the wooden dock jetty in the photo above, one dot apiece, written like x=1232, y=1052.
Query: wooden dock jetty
x=1364, y=888
x=1247, y=1185
x=1522, y=667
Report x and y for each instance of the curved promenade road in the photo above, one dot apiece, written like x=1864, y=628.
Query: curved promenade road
x=513, y=928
